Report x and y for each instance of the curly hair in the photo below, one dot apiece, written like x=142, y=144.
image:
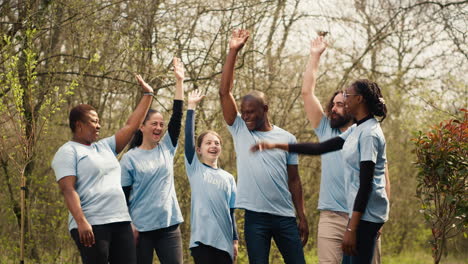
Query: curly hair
x=372, y=95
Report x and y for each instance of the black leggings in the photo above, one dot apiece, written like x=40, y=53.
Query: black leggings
x=366, y=236
x=167, y=242
x=114, y=244
x=203, y=254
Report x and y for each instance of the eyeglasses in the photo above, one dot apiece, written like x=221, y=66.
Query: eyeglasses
x=345, y=94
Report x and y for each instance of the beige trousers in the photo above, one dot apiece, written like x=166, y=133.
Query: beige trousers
x=331, y=229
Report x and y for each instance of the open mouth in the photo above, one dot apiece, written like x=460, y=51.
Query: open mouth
x=213, y=152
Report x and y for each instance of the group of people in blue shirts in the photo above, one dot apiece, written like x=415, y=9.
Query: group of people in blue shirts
x=123, y=212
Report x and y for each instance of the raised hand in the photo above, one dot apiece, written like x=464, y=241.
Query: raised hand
x=194, y=98
x=179, y=70
x=318, y=45
x=146, y=88
x=238, y=39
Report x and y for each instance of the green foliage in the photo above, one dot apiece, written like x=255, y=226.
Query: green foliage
x=442, y=156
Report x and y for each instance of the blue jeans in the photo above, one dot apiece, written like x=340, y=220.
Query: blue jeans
x=259, y=228
x=366, y=236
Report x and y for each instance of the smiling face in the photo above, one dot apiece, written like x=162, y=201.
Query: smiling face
x=88, y=128
x=338, y=115
x=153, y=128
x=210, y=147
x=253, y=113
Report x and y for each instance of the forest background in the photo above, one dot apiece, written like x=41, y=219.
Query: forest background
x=58, y=53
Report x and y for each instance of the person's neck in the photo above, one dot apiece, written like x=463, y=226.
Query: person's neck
x=81, y=140
x=211, y=163
x=361, y=115
x=148, y=145
x=346, y=126
x=266, y=126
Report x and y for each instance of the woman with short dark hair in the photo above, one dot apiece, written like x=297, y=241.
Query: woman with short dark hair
x=88, y=174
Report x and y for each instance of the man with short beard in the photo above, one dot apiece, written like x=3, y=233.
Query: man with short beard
x=332, y=198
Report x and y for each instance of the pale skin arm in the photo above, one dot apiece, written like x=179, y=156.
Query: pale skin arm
x=125, y=134
x=295, y=187
x=312, y=106
x=194, y=98
x=228, y=103
x=73, y=203
x=179, y=72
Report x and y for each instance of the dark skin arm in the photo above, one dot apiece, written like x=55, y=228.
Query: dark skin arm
x=295, y=187
x=228, y=103
x=125, y=134
x=72, y=200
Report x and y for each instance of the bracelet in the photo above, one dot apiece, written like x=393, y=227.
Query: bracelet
x=148, y=93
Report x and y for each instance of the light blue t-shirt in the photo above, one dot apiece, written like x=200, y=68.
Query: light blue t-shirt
x=332, y=195
x=97, y=172
x=262, y=182
x=366, y=142
x=213, y=195
x=153, y=202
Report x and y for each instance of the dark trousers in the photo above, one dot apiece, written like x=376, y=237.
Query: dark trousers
x=114, y=244
x=167, y=242
x=366, y=236
x=203, y=254
x=260, y=228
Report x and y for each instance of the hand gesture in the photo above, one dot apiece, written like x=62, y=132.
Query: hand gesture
x=85, y=231
x=238, y=39
x=194, y=98
x=262, y=146
x=146, y=88
x=179, y=70
x=318, y=45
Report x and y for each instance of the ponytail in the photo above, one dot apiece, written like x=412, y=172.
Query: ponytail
x=372, y=95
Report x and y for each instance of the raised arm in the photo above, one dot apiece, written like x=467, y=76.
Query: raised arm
x=228, y=104
x=312, y=106
x=175, y=122
x=193, y=99
x=125, y=134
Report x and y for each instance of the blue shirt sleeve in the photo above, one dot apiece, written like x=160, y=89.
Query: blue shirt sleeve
x=322, y=128
x=127, y=171
x=292, y=158
x=108, y=142
x=369, y=146
x=64, y=162
x=190, y=136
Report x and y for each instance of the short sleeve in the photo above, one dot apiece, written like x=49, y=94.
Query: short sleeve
x=127, y=171
x=108, y=142
x=166, y=141
x=322, y=128
x=237, y=125
x=348, y=131
x=369, y=148
x=292, y=158
x=64, y=162
x=232, y=201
